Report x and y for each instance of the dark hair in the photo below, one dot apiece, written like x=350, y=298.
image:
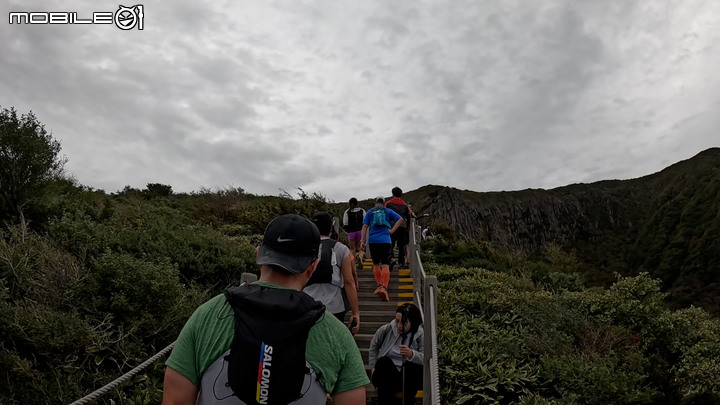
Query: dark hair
x=411, y=312
x=353, y=202
x=324, y=222
x=397, y=192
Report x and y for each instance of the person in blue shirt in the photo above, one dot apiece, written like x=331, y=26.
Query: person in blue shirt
x=376, y=233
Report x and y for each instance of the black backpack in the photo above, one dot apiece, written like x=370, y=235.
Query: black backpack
x=355, y=221
x=403, y=211
x=324, y=271
x=272, y=326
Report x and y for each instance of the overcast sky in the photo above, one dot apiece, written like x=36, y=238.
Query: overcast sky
x=350, y=98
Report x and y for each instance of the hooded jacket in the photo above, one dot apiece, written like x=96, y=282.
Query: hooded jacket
x=387, y=335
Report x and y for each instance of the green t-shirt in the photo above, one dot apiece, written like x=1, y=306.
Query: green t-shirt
x=330, y=348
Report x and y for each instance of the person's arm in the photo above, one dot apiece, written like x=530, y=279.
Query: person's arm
x=391, y=216
x=351, y=291
x=355, y=278
x=354, y=396
x=397, y=225
x=177, y=389
x=346, y=219
x=375, y=345
x=364, y=237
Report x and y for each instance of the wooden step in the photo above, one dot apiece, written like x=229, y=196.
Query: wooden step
x=363, y=339
x=394, y=295
x=377, y=305
x=383, y=316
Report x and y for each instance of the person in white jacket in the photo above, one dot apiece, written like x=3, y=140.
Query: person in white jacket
x=396, y=356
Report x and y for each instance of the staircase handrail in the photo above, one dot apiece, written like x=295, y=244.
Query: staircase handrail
x=425, y=289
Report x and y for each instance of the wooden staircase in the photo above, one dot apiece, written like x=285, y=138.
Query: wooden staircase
x=375, y=313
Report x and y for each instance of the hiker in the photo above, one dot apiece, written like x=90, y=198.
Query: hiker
x=376, y=232
x=396, y=356
x=352, y=224
x=334, y=273
x=215, y=358
x=402, y=236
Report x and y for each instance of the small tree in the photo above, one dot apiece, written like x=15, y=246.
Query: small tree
x=28, y=160
x=158, y=190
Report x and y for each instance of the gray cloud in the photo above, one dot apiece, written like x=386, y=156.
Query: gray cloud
x=351, y=99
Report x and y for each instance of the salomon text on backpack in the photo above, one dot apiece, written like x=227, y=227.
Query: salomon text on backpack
x=266, y=363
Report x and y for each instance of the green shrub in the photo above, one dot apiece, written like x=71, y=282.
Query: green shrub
x=506, y=340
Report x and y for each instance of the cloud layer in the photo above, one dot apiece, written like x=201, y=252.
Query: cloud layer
x=352, y=98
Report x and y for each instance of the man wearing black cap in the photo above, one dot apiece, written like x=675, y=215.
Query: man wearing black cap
x=215, y=358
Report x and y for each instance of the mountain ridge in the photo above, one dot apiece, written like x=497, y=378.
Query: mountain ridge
x=665, y=223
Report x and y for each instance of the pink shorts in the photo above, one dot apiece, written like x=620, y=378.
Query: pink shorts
x=355, y=235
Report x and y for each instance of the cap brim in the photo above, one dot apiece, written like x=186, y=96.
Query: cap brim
x=293, y=263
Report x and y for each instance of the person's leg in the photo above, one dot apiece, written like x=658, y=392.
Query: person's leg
x=377, y=272
x=384, y=253
x=393, y=242
x=413, y=381
x=376, y=251
x=385, y=275
x=353, y=248
x=402, y=241
x=387, y=380
x=407, y=254
x=353, y=240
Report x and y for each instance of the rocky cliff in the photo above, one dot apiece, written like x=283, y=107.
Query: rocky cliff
x=667, y=223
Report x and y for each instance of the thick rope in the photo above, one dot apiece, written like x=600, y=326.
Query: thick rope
x=95, y=395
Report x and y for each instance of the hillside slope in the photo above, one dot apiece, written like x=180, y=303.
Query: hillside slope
x=667, y=223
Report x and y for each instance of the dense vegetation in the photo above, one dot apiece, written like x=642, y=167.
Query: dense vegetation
x=98, y=283
x=92, y=284
x=529, y=332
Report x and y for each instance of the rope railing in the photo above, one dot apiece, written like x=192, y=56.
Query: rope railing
x=245, y=279
x=428, y=286
x=98, y=393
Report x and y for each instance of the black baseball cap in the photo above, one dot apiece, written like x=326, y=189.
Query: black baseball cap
x=290, y=242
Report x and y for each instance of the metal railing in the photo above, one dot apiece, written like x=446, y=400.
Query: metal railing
x=425, y=288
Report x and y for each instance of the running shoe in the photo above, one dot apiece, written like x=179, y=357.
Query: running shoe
x=384, y=296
